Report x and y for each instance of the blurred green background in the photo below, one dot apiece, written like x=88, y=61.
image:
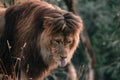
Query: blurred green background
x=102, y=21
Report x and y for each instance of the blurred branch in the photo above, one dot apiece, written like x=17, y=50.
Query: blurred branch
x=4, y=4
x=90, y=54
x=12, y=2
x=71, y=6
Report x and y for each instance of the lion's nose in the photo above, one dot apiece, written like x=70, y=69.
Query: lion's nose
x=63, y=57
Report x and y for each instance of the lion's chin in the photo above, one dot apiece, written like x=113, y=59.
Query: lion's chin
x=62, y=63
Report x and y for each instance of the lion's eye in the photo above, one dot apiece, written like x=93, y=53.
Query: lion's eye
x=69, y=42
x=57, y=41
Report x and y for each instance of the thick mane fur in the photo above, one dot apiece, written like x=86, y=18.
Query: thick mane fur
x=25, y=26
x=2, y=20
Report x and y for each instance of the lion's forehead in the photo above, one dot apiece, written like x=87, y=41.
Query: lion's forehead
x=62, y=36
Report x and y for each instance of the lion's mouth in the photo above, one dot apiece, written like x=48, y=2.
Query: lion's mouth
x=62, y=63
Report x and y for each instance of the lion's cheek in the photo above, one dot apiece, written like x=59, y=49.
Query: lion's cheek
x=70, y=55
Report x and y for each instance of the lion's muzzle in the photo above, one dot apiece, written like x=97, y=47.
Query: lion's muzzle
x=63, y=61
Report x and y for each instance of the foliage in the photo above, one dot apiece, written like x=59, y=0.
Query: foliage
x=102, y=19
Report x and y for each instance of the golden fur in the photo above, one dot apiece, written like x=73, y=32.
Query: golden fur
x=51, y=36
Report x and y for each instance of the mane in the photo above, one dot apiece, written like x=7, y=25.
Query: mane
x=2, y=20
x=26, y=23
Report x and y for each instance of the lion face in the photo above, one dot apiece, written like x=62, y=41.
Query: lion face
x=58, y=48
x=61, y=48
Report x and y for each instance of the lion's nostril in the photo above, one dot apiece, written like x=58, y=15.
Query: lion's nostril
x=63, y=57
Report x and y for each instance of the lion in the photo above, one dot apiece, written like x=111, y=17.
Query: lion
x=40, y=36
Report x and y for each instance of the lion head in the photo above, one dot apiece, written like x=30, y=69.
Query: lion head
x=60, y=37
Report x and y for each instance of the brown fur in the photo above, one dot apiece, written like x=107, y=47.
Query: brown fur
x=43, y=35
x=2, y=20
